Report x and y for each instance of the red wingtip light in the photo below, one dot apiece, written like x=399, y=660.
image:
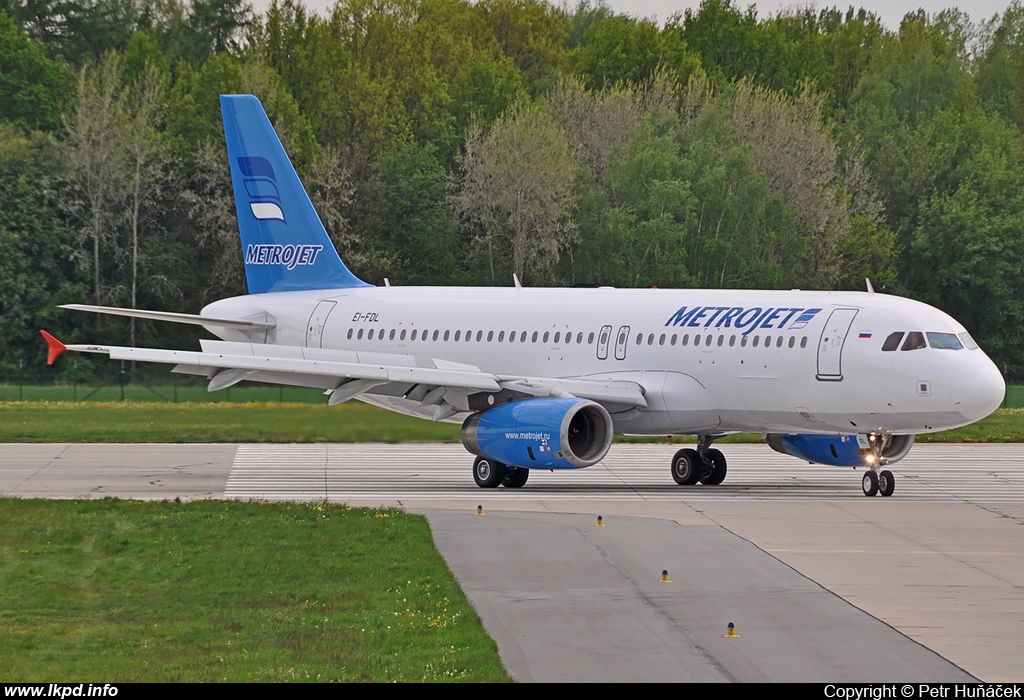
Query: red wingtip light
x=55, y=348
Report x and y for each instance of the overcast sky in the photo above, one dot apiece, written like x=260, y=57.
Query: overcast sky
x=891, y=11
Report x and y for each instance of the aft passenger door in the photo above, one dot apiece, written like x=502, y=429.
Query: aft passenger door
x=317, y=321
x=830, y=347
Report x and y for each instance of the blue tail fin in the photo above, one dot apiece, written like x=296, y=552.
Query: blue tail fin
x=285, y=245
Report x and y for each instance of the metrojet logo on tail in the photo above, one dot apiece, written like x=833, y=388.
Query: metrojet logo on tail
x=740, y=317
x=261, y=186
x=277, y=254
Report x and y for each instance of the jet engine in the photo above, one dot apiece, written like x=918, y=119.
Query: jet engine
x=843, y=450
x=555, y=433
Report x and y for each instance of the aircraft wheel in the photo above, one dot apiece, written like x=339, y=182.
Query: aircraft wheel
x=488, y=473
x=715, y=475
x=516, y=477
x=687, y=467
x=870, y=483
x=886, y=482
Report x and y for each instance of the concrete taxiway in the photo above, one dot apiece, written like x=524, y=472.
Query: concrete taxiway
x=822, y=583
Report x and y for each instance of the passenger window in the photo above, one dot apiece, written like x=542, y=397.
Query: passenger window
x=545, y=338
x=350, y=334
x=447, y=334
x=402, y=337
x=686, y=339
x=558, y=336
x=732, y=341
x=778, y=343
x=792, y=341
x=469, y=336
x=696, y=340
x=707, y=340
x=369, y=336
x=501, y=336
x=639, y=338
x=767, y=341
x=359, y=336
x=914, y=341
x=650, y=339
x=803, y=342
x=534, y=338
x=480, y=336
x=391, y=336
x=661, y=340
x=743, y=342
x=435, y=335
x=522, y=337
x=757, y=339
x=721, y=339
x=414, y=331
x=675, y=336
x=490, y=336
x=944, y=341
x=892, y=342
x=590, y=338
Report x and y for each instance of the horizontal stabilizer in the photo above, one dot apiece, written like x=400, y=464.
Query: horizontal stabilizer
x=172, y=317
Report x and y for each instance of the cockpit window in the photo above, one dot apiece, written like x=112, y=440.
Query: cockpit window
x=968, y=341
x=892, y=342
x=944, y=341
x=914, y=341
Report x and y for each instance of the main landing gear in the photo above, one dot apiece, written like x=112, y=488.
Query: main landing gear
x=705, y=464
x=878, y=482
x=490, y=474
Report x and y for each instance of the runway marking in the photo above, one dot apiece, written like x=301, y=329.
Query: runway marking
x=973, y=473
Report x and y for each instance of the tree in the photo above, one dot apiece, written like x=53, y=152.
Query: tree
x=96, y=161
x=33, y=86
x=36, y=272
x=147, y=158
x=515, y=183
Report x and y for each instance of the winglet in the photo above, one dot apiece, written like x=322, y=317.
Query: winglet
x=55, y=348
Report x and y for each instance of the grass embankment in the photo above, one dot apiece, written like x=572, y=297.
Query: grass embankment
x=228, y=591
x=139, y=422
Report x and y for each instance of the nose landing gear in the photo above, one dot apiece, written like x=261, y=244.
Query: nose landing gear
x=878, y=482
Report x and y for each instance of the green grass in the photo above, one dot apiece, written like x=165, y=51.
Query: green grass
x=139, y=422
x=185, y=391
x=212, y=422
x=124, y=591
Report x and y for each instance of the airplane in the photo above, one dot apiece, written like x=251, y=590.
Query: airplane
x=543, y=378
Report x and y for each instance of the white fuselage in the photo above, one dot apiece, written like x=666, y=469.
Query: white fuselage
x=709, y=360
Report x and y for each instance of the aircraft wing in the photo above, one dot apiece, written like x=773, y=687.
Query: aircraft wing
x=347, y=374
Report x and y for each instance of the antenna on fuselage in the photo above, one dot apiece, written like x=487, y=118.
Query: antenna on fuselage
x=867, y=281
x=515, y=278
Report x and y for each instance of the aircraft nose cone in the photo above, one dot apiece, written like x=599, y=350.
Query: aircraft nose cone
x=977, y=388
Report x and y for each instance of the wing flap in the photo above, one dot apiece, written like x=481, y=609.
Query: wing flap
x=600, y=390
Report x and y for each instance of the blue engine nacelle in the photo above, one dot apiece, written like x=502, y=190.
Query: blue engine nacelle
x=840, y=450
x=541, y=433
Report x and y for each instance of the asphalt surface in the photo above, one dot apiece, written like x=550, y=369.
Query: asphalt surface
x=822, y=583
